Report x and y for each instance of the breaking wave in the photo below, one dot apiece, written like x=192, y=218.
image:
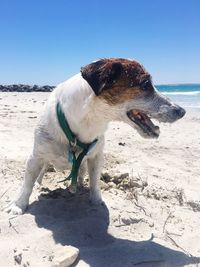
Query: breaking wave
x=182, y=93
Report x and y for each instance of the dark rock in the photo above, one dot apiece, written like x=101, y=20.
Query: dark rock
x=26, y=88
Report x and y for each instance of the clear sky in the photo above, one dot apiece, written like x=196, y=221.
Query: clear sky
x=47, y=41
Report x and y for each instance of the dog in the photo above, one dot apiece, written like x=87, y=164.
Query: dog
x=107, y=90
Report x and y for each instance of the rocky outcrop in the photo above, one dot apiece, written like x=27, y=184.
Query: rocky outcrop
x=26, y=88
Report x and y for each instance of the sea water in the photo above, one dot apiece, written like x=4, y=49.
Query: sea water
x=186, y=95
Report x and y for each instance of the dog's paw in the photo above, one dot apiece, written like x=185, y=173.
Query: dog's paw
x=96, y=200
x=72, y=189
x=14, y=209
x=97, y=203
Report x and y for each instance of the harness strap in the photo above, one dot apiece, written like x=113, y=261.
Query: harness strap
x=66, y=129
x=73, y=141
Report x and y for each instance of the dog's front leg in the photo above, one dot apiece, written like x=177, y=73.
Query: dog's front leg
x=82, y=172
x=95, y=165
x=33, y=168
x=40, y=177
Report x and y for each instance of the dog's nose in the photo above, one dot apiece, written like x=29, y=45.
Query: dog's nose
x=180, y=112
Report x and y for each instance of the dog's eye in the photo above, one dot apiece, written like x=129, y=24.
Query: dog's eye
x=146, y=85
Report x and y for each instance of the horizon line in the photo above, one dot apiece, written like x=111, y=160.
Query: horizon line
x=159, y=84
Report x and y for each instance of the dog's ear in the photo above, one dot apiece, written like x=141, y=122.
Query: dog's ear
x=101, y=74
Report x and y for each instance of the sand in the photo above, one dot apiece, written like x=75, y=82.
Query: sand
x=151, y=191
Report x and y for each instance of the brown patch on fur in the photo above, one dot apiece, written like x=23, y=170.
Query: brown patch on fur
x=116, y=80
x=127, y=86
x=120, y=94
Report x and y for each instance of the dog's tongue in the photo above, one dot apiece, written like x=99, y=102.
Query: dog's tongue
x=144, y=121
x=140, y=116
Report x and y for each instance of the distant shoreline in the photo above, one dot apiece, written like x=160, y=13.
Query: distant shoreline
x=26, y=88
x=49, y=88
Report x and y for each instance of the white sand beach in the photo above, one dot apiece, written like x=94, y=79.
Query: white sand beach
x=151, y=190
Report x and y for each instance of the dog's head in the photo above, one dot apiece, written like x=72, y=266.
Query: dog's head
x=127, y=86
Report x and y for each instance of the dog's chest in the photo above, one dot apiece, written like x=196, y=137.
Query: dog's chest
x=61, y=163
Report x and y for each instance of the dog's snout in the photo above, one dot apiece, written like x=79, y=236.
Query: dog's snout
x=170, y=113
x=179, y=112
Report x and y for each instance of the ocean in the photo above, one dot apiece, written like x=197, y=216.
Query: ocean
x=186, y=95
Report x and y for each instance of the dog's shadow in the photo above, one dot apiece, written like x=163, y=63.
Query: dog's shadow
x=73, y=221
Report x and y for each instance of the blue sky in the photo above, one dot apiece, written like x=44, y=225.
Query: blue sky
x=47, y=41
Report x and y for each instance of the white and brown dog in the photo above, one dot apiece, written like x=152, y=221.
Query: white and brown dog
x=107, y=90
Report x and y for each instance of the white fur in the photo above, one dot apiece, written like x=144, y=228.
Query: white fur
x=88, y=118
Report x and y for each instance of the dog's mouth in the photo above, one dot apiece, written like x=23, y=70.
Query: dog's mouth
x=144, y=122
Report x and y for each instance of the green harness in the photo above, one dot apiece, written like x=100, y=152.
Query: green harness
x=74, y=143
